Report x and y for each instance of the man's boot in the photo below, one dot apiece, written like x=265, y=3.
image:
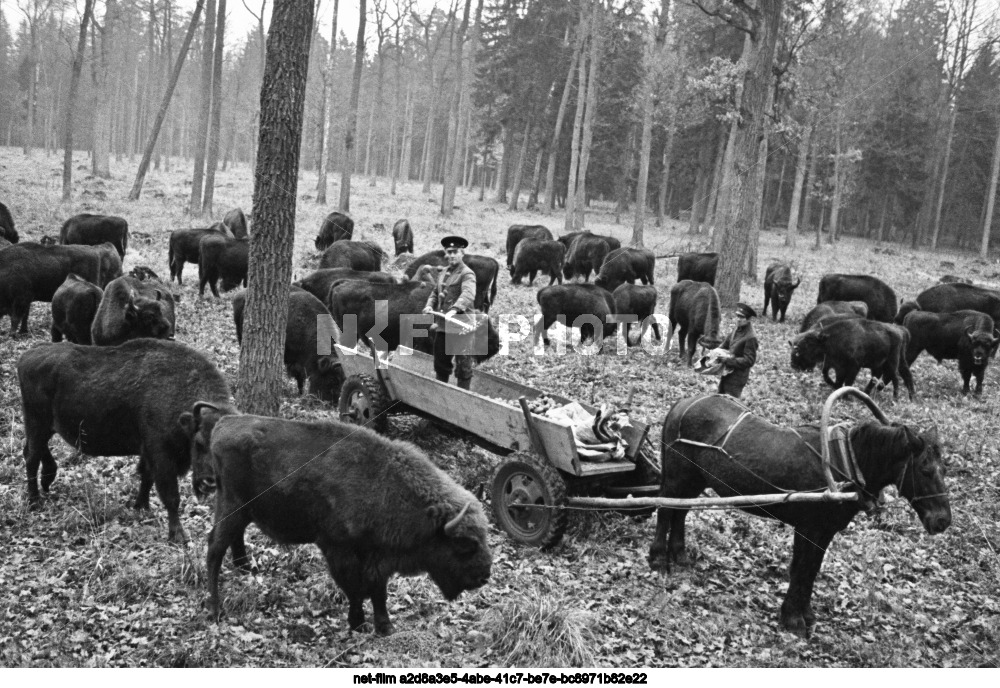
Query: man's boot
x=464, y=383
x=442, y=377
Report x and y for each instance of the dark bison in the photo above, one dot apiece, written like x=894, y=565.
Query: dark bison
x=118, y=401
x=771, y=459
x=828, y=309
x=336, y=227
x=947, y=279
x=948, y=298
x=778, y=288
x=235, y=222
x=849, y=345
x=184, y=247
x=302, y=360
x=318, y=283
x=640, y=301
x=697, y=267
x=74, y=306
x=4, y=243
x=130, y=309
x=517, y=232
x=538, y=255
x=585, y=253
x=92, y=230
x=356, y=255
x=32, y=272
x=404, y=303
x=626, y=265
x=966, y=336
x=879, y=296
x=402, y=237
x=695, y=310
x=587, y=306
x=374, y=506
x=225, y=258
x=487, y=271
x=7, y=230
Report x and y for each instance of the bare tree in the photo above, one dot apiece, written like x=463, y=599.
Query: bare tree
x=140, y=176
x=352, y=113
x=326, y=109
x=35, y=13
x=282, y=101
x=991, y=194
x=74, y=85
x=550, y=170
x=205, y=113
x=215, y=123
x=453, y=161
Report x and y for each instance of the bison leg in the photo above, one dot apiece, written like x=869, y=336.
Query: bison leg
x=230, y=522
x=692, y=346
x=145, y=485
x=165, y=479
x=979, y=373
x=808, y=551
x=767, y=299
x=531, y=277
x=346, y=569
x=380, y=610
x=36, y=453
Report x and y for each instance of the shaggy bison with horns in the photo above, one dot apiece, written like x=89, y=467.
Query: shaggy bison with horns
x=100, y=399
x=878, y=295
x=374, y=506
x=756, y=457
x=778, y=288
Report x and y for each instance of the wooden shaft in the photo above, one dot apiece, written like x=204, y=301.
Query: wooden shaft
x=742, y=500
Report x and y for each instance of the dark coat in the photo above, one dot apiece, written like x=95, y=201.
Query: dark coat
x=742, y=344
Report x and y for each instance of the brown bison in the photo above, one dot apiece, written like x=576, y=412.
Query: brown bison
x=778, y=288
x=966, y=336
x=375, y=507
x=318, y=283
x=222, y=257
x=760, y=458
x=356, y=255
x=537, y=255
x=587, y=306
x=74, y=306
x=515, y=233
x=402, y=237
x=7, y=230
x=118, y=401
x=184, y=247
x=626, y=265
x=830, y=309
x=695, y=310
x=335, y=227
x=697, y=267
x=130, y=309
x=878, y=295
x=93, y=230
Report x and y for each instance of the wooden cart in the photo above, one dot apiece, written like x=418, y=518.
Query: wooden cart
x=541, y=464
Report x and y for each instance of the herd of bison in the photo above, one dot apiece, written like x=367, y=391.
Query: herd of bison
x=120, y=331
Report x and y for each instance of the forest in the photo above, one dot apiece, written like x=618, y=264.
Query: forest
x=881, y=118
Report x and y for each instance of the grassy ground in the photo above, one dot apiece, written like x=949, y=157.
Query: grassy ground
x=89, y=582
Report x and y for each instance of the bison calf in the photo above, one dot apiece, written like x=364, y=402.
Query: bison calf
x=130, y=309
x=74, y=306
x=374, y=507
x=118, y=401
x=640, y=301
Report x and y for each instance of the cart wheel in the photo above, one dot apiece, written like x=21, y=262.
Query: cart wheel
x=363, y=401
x=521, y=485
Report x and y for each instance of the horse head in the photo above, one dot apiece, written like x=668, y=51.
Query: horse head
x=920, y=479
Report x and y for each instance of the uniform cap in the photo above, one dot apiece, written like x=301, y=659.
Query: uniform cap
x=745, y=310
x=454, y=242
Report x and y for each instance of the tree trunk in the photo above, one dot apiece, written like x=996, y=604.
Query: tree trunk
x=74, y=85
x=515, y=191
x=452, y=161
x=800, y=175
x=282, y=100
x=668, y=152
x=717, y=171
x=739, y=212
x=215, y=125
x=428, y=152
x=368, y=144
x=837, y=185
x=352, y=113
x=201, y=137
x=645, y=144
x=991, y=194
x=326, y=111
x=407, y=146
x=807, y=211
x=761, y=183
x=699, y=200
x=100, y=162
x=936, y=228
x=536, y=180
x=503, y=170
x=550, y=172
x=579, y=206
x=393, y=123
x=140, y=176
x=773, y=200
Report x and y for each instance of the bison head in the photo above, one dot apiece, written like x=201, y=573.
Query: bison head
x=458, y=556
x=147, y=317
x=325, y=382
x=981, y=345
x=198, y=424
x=783, y=289
x=807, y=349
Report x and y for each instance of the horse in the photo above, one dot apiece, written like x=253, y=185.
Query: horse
x=713, y=441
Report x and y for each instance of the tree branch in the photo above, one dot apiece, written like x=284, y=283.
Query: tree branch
x=731, y=18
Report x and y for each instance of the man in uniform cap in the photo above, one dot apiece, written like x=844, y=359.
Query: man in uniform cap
x=742, y=346
x=455, y=293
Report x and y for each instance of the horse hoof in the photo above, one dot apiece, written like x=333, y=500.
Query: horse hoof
x=659, y=562
x=795, y=624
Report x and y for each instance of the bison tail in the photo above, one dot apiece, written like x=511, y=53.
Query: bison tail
x=713, y=314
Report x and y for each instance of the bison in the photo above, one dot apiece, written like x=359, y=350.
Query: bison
x=7, y=230
x=587, y=306
x=402, y=237
x=118, y=401
x=130, y=309
x=185, y=247
x=537, y=255
x=404, y=310
x=847, y=346
x=948, y=298
x=302, y=359
x=831, y=309
x=235, y=223
x=74, y=306
x=640, y=301
x=697, y=267
x=336, y=227
x=878, y=295
x=778, y=288
x=626, y=265
x=515, y=233
x=374, y=506
x=318, y=283
x=225, y=258
x=585, y=253
x=356, y=255
x=966, y=336
x=93, y=230
x=32, y=272
x=487, y=270
x=695, y=310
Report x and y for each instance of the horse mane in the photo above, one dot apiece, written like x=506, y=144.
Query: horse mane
x=875, y=446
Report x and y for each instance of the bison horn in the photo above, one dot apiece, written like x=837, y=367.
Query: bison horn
x=969, y=331
x=199, y=405
x=797, y=282
x=450, y=526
